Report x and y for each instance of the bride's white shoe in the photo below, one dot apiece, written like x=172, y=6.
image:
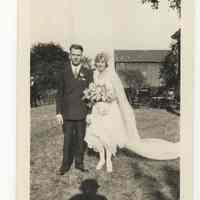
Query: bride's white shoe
x=100, y=164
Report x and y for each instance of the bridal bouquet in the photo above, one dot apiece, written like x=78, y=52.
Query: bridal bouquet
x=96, y=93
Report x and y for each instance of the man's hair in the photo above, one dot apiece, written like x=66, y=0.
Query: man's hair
x=76, y=46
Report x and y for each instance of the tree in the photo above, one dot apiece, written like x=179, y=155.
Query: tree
x=47, y=59
x=170, y=72
x=173, y=4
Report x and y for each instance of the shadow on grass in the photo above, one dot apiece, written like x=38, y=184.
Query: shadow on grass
x=155, y=187
x=92, y=153
x=171, y=110
x=172, y=178
x=156, y=179
x=131, y=154
x=89, y=191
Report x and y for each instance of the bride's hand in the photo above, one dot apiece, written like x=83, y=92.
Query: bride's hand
x=88, y=119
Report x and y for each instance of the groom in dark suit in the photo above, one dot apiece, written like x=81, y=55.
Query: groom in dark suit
x=71, y=111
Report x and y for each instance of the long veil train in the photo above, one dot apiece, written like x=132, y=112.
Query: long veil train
x=152, y=148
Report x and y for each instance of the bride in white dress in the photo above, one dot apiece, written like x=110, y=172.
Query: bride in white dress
x=112, y=125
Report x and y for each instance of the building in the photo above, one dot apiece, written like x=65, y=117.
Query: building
x=148, y=62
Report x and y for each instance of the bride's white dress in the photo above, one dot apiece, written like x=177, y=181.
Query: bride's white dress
x=106, y=130
x=113, y=125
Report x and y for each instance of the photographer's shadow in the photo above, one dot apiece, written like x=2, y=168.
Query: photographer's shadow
x=89, y=191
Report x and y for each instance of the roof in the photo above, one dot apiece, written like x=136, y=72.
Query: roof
x=140, y=55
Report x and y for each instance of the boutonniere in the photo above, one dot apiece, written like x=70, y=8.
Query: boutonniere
x=82, y=77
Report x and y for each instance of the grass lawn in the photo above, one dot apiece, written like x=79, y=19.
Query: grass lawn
x=133, y=178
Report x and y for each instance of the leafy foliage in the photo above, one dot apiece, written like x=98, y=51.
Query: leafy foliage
x=168, y=71
x=171, y=72
x=47, y=59
x=173, y=4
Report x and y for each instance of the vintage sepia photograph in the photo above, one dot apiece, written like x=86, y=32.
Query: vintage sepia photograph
x=105, y=99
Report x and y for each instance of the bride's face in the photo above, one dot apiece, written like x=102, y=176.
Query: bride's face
x=101, y=65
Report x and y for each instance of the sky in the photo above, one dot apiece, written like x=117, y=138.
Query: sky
x=101, y=25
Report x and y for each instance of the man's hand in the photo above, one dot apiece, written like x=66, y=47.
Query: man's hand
x=59, y=119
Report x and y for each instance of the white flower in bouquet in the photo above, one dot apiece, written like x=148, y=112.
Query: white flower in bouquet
x=97, y=93
x=92, y=87
x=110, y=96
x=98, y=97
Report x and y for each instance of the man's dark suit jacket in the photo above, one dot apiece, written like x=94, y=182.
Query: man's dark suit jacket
x=69, y=101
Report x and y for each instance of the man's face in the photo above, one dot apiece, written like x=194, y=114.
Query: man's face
x=76, y=56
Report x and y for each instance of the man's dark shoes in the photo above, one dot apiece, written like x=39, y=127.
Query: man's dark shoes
x=81, y=168
x=63, y=170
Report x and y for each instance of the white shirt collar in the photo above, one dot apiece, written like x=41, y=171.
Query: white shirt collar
x=77, y=67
